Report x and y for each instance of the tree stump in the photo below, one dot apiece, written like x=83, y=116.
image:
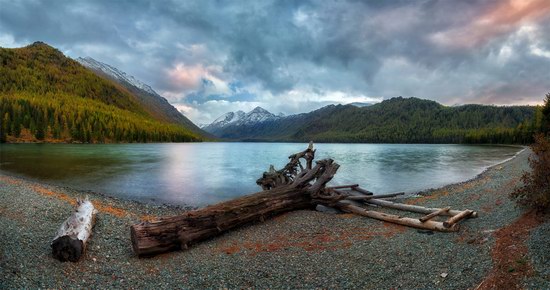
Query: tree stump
x=70, y=241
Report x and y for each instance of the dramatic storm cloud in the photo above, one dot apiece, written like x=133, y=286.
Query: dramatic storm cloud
x=210, y=57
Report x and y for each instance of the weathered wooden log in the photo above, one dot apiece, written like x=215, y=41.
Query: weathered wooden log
x=433, y=214
x=414, y=208
x=349, y=206
x=303, y=189
x=274, y=178
x=368, y=197
x=70, y=241
x=456, y=218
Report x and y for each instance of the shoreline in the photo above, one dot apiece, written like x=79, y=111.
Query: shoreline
x=288, y=251
x=479, y=175
x=188, y=207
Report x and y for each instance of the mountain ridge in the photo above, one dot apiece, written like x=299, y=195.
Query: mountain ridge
x=48, y=97
x=153, y=102
x=256, y=116
x=397, y=120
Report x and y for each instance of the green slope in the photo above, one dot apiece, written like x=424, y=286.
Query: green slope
x=399, y=120
x=152, y=102
x=47, y=96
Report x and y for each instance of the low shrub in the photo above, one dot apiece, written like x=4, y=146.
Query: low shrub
x=535, y=191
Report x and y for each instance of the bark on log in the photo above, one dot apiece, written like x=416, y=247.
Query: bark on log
x=70, y=241
x=414, y=208
x=349, y=206
x=290, y=189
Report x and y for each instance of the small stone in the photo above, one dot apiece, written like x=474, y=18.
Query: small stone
x=443, y=275
x=94, y=259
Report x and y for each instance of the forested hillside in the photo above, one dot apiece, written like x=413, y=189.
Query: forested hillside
x=47, y=96
x=400, y=120
x=151, y=101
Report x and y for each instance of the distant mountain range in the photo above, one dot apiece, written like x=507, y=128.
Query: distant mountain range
x=46, y=96
x=240, y=119
x=397, y=120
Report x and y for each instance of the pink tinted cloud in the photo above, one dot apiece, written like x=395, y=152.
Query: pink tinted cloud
x=183, y=77
x=499, y=19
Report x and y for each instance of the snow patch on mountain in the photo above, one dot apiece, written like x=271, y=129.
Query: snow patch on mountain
x=229, y=118
x=240, y=118
x=115, y=73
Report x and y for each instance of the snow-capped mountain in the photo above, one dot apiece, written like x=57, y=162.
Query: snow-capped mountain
x=154, y=103
x=114, y=73
x=228, y=118
x=240, y=118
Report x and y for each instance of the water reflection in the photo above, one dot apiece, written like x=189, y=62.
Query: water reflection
x=199, y=174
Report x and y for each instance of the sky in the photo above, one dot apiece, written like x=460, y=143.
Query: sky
x=210, y=57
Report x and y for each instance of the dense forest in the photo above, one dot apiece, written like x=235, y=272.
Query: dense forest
x=47, y=96
x=400, y=120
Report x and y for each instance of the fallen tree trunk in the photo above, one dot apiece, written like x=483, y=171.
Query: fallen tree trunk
x=70, y=242
x=292, y=188
x=289, y=189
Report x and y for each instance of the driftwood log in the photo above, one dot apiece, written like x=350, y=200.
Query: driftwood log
x=456, y=218
x=70, y=241
x=354, y=207
x=434, y=214
x=416, y=208
x=292, y=188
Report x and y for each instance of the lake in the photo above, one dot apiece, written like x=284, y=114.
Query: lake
x=198, y=174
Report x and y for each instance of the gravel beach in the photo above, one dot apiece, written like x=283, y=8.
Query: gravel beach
x=302, y=249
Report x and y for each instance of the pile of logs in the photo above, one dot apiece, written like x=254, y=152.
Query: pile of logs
x=292, y=188
x=351, y=204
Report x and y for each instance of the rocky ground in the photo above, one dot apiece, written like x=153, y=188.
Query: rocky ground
x=504, y=247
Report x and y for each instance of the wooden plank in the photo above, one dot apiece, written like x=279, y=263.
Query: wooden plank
x=367, y=197
x=410, y=222
x=433, y=214
x=455, y=219
x=414, y=208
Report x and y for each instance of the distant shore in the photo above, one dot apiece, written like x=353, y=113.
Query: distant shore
x=303, y=249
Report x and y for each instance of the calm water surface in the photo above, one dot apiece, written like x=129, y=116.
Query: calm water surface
x=205, y=173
